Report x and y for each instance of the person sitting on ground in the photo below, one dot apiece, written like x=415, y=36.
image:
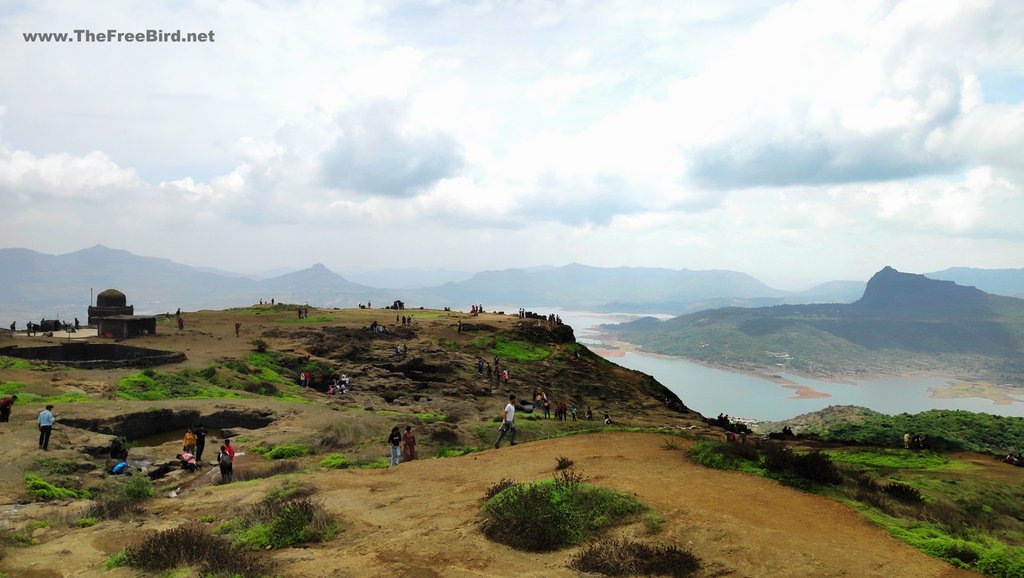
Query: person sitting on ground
x=188, y=461
x=117, y=449
x=607, y=418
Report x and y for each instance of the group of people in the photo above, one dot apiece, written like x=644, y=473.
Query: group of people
x=339, y=385
x=191, y=455
x=508, y=415
x=403, y=445
x=44, y=419
x=912, y=441
x=406, y=321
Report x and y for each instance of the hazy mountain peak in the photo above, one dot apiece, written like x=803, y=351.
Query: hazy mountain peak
x=890, y=290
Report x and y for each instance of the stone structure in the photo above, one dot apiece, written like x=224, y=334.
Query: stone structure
x=108, y=304
x=124, y=326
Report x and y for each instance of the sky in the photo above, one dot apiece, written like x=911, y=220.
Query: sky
x=799, y=142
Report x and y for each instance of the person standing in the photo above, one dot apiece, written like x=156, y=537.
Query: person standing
x=395, y=439
x=201, y=434
x=238, y=328
x=224, y=461
x=189, y=445
x=574, y=412
x=45, y=427
x=408, y=445
x=5, y=407
x=508, y=423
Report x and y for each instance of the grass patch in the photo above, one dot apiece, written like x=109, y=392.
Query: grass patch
x=551, y=514
x=275, y=469
x=39, y=393
x=87, y=522
x=511, y=349
x=289, y=490
x=116, y=560
x=897, y=459
x=456, y=451
x=726, y=456
x=281, y=523
x=288, y=451
x=313, y=319
x=45, y=491
x=373, y=463
x=334, y=462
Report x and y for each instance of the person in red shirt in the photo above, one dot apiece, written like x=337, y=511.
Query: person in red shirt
x=5, y=407
x=229, y=449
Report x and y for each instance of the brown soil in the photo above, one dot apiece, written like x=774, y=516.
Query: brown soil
x=422, y=519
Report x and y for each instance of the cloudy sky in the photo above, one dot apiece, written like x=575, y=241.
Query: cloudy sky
x=795, y=141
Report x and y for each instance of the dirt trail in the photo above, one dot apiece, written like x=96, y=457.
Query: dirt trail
x=422, y=519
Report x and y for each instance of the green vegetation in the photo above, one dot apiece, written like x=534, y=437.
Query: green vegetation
x=513, y=350
x=454, y=452
x=138, y=488
x=16, y=363
x=287, y=451
x=335, y=462
x=288, y=491
x=45, y=491
x=551, y=514
x=16, y=538
x=314, y=319
x=896, y=459
x=55, y=466
x=194, y=546
x=208, y=519
x=280, y=523
x=116, y=560
x=945, y=429
x=373, y=463
x=258, y=374
x=86, y=522
x=39, y=393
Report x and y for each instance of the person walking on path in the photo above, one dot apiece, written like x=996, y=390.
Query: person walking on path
x=45, y=427
x=5, y=407
x=408, y=445
x=508, y=423
x=395, y=439
x=226, y=467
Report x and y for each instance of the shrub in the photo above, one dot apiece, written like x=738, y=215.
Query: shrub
x=86, y=522
x=624, y=558
x=455, y=452
x=259, y=345
x=113, y=508
x=282, y=523
x=499, y=487
x=289, y=451
x=724, y=456
x=262, y=388
x=670, y=444
x=193, y=545
x=116, y=560
x=288, y=491
x=817, y=466
x=445, y=436
x=551, y=514
x=902, y=492
x=138, y=488
x=334, y=461
x=563, y=463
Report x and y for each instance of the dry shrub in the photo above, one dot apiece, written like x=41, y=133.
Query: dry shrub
x=624, y=558
x=113, y=508
x=193, y=545
x=277, y=468
x=903, y=492
x=444, y=436
x=563, y=463
x=497, y=488
x=343, y=435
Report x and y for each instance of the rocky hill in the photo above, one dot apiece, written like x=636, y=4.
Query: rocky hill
x=903, y=322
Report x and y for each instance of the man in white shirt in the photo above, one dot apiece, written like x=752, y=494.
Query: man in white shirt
x=508, y=423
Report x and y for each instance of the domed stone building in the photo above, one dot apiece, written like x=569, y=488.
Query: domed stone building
x=113, y=317
x=108, y=304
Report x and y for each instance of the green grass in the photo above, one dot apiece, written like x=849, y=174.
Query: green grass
x=38, y=393
x=285, y=451
x=313, y=319
x=86, y=522
x=373, y=464
x=16, y=363
x=454, y=452
x=46, y=491
x=513, y=350
x=335, y=462
x=116, y=560
x=901, y=459
x=430, y=417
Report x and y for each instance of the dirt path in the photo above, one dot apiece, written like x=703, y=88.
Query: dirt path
x=421, y=519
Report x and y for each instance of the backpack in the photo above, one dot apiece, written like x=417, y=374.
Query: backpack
x=224, y=459
x=119, y=468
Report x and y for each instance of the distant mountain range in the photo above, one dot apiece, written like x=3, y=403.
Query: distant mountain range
x=38, y=285
x=902, y=322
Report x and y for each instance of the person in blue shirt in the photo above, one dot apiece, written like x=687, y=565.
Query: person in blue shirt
x=45, y=427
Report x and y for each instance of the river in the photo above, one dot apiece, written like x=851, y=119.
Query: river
x=711, y=391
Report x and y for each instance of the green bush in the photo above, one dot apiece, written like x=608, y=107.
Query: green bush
x=551, y=514
x=138, y=488
x=724, y=456
x=455, y=452
x=288, y=451
x=282, y=523
x=193, y=545
x=86, y=522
